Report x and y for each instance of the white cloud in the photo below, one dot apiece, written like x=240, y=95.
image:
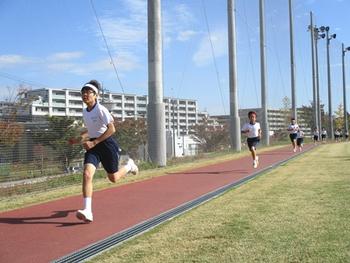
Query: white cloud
x=203, y=56
x=178, y=24
x=10, y=60
x=64, y=56
x=126, y=33
x=124, y=62
x=186, y=35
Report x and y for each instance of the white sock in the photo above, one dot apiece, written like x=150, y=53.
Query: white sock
x=128, y=167
x=87, y=203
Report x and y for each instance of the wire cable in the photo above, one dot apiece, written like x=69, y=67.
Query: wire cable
x=213, y=54
x=245, y=20
x=107, y=46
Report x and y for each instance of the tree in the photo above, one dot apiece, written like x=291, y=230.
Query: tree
x=214, y=137
x=11, y=131
x=58, y=136
x=339, y=118
x=286, y=110
x=130, y=134
x=10, y=134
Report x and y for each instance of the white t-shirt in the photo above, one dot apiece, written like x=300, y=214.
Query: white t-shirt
x=315, y=133
x=300, y=134
x=293, y=128
x=96, y=120
x=324, y=132
x=253, y=129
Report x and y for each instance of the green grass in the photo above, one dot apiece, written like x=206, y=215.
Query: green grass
x=297, y=213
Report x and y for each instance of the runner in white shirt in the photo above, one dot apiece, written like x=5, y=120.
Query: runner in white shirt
x=293, y=129
x=316, y=135
x=253, y=132
x=100, y=146
x=324, y=135
x=300, y=139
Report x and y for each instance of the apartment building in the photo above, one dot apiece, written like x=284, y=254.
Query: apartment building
x=277, y=119
x=181, y=115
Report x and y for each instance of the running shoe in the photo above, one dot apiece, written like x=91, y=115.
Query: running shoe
x=134, y=169
x=85, y=215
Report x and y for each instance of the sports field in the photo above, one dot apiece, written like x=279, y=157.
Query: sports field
x=297, y=213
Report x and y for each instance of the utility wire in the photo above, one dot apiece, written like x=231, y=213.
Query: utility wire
x=245, y=20
x=213, y=54
x=277, y=56
x=21, y=80
x=107, y=47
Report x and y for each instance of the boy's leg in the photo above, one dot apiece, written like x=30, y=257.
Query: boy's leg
x=88, y=174
x=254, y=156
x=114, y=177
x=130, y=166
x=253, y=151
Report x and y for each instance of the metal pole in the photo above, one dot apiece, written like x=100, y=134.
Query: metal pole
x=265, y=124
x=235, y=133
x=314, y=91
x=292, y=65
x=330, y=115
x=156, y=107
x=174, y=144
x=319, y=110
x=344, y=90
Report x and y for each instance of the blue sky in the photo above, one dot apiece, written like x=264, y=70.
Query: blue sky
x=58, y=44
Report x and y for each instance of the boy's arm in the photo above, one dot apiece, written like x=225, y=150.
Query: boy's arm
x=108, y=133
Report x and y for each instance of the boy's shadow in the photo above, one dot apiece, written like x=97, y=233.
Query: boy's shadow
x=41, y=219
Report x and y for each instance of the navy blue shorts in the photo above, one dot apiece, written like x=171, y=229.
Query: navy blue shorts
x=315, y=137
x=293, y=136
x=300, y=141
x=253, y=142
x=106, y=152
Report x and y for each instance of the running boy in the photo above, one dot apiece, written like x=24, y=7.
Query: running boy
x=293, y=129
x=100, y=146
x=300, y=139
x=316, y=134
x=324, y=134
x=253, y=132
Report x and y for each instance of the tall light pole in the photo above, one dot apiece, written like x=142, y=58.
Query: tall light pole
x=330, y=115
x=346, y=126
x=314, y=89
x=318, y=36
x=235, y=133
x=265, y=123
x=156, y=107
x=292, y=65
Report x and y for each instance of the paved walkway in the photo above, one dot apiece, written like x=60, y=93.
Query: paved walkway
x=45, y=232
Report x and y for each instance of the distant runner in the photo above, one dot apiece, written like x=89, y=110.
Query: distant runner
x=253, y=132
x=293, y=129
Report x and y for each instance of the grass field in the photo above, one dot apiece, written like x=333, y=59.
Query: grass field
x=297, y=213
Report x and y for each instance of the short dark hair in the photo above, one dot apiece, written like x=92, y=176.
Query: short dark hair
x=94, y=83
x=251, y=112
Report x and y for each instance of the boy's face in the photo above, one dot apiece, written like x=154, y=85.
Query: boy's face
x=293, y=121
x=252, y=118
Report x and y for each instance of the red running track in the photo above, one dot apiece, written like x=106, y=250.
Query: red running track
x=49, y=231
